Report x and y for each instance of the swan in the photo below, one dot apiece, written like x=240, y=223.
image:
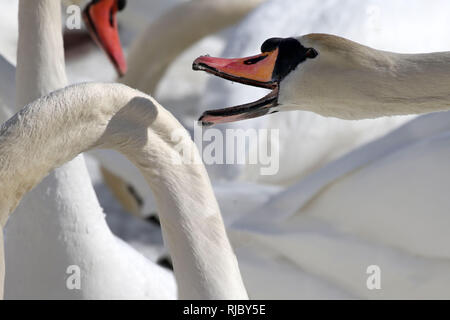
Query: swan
x=334, y=77
x=60, y=222
x=115, y=116
x=8, y=25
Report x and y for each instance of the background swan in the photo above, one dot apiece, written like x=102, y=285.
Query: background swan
x=115, y=116
x=383, y=204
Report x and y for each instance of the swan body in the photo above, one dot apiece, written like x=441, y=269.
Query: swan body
x=381, y=204
x=115, y=116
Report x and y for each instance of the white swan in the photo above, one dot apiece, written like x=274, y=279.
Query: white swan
x=60, y=223
x=333, y=77
x=115, y=116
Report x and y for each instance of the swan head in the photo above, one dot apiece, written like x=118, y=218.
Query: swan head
x=279, y=58
x=100, y=18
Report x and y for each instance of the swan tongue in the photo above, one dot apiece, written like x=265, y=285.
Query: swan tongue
x=250, y=110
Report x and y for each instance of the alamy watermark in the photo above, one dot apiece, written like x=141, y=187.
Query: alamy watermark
x=374, y=279
x=73, y=19
x=231, y=146
x=73, y=280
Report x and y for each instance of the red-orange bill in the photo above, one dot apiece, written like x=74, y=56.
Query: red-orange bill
x=255, y=71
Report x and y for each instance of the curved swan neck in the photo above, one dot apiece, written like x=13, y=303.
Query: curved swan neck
x=89, y=116
x=205, y=266
x=167, y=37
x=44, y=135
x=40, y=53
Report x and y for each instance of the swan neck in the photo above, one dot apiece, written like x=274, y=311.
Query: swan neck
x=50, y=132
x=363, y=82
x=415, y=84
x=40, y=54
x=205, y=265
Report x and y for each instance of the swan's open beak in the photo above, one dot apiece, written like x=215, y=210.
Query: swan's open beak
x=256, y=71
x=100, y=18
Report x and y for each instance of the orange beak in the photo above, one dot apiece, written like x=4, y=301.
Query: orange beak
x=100, y=18
x=255, y=70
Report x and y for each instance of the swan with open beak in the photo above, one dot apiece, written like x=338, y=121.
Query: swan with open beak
x=100, y=18
x=266, y=70
x=334, y=77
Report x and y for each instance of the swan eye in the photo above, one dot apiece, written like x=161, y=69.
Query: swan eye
x=121, y=4
x=311, y=53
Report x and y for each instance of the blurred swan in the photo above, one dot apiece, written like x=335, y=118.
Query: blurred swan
x=164, y=39
x=116, y=116
x=383, y=204
x=60, y=224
